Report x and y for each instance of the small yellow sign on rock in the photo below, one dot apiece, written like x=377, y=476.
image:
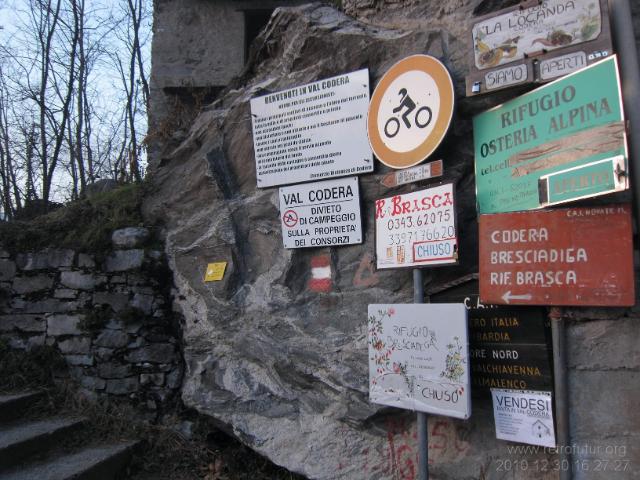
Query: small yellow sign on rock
x=215, y=272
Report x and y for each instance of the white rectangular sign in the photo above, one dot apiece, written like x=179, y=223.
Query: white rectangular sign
x=321, y=214
x=417, y=229
x=419, y=357
x=313, y=131
x=524, y=416
x=562, y=65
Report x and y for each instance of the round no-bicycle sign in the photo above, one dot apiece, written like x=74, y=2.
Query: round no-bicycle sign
x=410, y=111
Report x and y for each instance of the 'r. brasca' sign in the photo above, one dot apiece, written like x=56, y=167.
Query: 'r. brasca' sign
x=575, y=256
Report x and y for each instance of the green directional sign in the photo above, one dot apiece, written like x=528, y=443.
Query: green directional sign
x=559, y=143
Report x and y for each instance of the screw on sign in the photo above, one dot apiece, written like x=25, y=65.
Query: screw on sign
x=290, y=218
x=410, y=111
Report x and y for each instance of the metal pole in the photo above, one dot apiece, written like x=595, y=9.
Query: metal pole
x=625, y=45
x=423, y=433
x=558, y=335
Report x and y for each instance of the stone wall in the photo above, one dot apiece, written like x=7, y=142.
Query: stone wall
x=110, y=318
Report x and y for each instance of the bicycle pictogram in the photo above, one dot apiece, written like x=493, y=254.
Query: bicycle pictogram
x=421, y=119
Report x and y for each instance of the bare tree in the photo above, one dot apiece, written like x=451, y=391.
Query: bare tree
x=55, y=125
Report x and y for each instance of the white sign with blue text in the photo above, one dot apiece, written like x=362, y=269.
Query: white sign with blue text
x=419, y=357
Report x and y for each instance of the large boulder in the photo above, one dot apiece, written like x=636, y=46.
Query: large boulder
x=283, y=366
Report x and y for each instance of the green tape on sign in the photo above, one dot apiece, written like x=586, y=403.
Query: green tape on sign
x=571, y=123
x=581, y=182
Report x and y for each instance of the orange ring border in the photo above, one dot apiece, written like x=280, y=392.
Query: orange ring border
x=435, y=69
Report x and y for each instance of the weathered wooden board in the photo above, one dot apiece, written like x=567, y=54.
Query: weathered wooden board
x=567, y=137
x=577, y=256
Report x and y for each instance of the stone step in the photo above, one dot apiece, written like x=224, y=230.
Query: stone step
x=18, y=441
x=102, y=462
x=14, y=405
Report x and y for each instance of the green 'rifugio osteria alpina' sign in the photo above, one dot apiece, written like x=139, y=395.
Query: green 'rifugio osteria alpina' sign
x=559, y=143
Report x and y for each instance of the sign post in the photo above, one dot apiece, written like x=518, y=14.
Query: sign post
x=409, y=115
x=421, y=417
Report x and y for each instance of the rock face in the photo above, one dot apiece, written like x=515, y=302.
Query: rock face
x=282, y=365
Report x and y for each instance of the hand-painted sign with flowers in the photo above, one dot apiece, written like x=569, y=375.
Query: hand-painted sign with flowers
x=418, y=357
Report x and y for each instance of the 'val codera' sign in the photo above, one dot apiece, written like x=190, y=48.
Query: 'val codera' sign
x=562, y=142
x=321, y=214
x=313, y=131
x=419, y=359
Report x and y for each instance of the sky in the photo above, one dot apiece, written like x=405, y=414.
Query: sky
x=104, y=81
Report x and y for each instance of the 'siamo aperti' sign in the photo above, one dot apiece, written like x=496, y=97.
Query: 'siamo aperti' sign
x=562, y=142
x=536, y=41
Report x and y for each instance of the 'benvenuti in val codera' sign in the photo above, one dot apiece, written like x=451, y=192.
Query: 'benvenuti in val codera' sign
x=569, y=256
x=562, y=142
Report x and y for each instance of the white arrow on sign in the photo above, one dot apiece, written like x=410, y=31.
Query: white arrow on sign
x=507, y=296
